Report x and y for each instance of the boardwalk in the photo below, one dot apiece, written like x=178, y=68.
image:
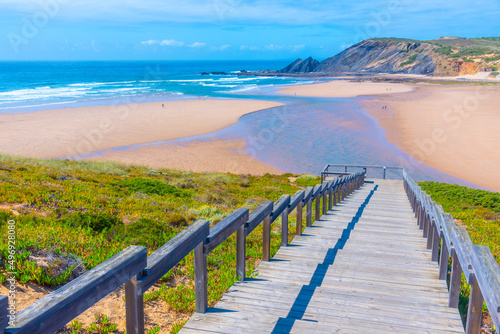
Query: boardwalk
x=364, y=267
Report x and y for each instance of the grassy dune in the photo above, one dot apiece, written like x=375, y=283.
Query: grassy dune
x=81, y=213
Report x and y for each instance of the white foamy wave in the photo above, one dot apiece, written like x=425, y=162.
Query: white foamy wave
x=41, y=93
x=245, y=88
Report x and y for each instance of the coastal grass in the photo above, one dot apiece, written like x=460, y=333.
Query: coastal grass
x=78, y=214
x=477, y=210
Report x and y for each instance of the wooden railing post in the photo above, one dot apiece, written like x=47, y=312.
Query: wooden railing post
x=317, y=212
x=299, y=219
x=309, y=212
x=435, y=243
x=443, y=261
x=455, y=280
x=4, y=313
x=430, y=232
x=330, y=198
x=200, y=278
x=266, y=239
x=325, y=201
x=284, y=228
x=134, y=306
x=240, y=252
x=475, y=311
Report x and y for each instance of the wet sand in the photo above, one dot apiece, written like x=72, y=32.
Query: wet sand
x=216, y=155
x=453, y=128
x=345, y=88
x=80, y=131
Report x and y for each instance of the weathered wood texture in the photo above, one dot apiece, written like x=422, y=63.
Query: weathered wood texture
x=226, y=227
x=53, y=311
x=168, y=255
x=363, y=267
x=475, y=262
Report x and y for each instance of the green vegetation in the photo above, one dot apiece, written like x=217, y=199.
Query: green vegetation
x=477, y=51
x=446, y=50
x=478, y=211
x=495, y=73
x=494, y=58
x=82, y=213
x=101, y=325
x=410, y=60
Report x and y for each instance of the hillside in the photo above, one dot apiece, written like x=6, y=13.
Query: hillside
x=446, y=56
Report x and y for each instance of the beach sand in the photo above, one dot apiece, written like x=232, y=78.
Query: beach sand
x=73, y=132
x=453, y=128
x=215, y=155
x=345, y=88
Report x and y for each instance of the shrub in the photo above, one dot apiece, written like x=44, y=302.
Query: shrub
x=96, y=221
x=410, y=60
x=148, y=186
x=307, y=180
x=446, y=50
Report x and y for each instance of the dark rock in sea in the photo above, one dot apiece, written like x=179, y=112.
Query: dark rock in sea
x=301, y=66
x=213, y=73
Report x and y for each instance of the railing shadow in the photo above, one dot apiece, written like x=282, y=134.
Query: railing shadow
x=298, y=309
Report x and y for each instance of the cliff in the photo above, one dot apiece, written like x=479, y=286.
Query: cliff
x=445, y=56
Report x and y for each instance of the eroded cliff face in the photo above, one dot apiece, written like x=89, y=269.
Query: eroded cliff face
x=375, y=56
x=301, y=66
x=443, y=57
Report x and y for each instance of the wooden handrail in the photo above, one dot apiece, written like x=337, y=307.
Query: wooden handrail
x=279, y=206
x=258, y=215
x=226, y=227
x=168, y=255
x=139, y=272
x=476, y=262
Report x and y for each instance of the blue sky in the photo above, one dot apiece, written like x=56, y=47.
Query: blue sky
x=226, y=29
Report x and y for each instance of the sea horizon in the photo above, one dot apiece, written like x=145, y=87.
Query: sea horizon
x=27, y=86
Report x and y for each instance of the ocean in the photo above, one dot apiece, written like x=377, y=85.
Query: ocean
x=31, y=86
x=313, y=132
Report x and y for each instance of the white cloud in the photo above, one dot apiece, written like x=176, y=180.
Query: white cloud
x=295, y=48
x=171, y=42
x=150, y=42
x=197, y=45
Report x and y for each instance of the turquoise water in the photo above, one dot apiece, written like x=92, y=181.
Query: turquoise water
x=28, y=86
x=300, y=137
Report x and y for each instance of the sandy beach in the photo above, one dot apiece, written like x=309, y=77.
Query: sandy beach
x=73, y=132
x=453, y=128
x=215, y=155
x=345, y=88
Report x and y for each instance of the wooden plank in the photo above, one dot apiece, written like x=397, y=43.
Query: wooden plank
x=168, y=255
x=54, y=311
x=279, y=206
x=225, y=228
x=258, y=215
